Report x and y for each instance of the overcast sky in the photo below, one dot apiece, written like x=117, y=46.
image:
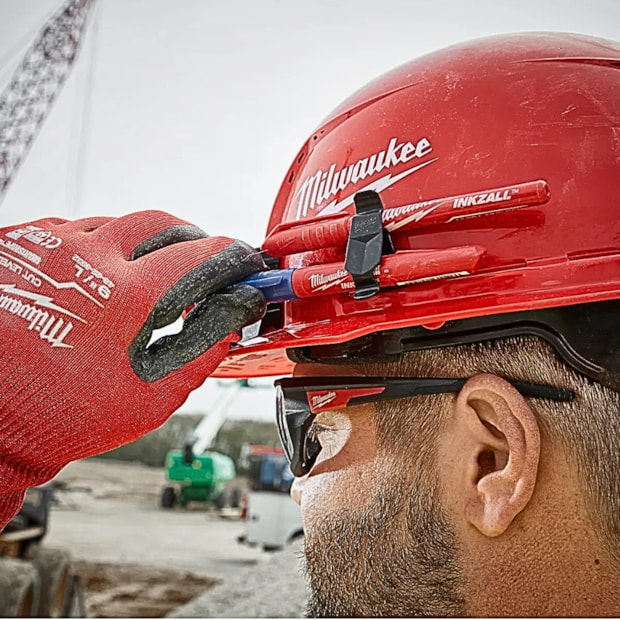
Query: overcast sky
x=197, y=107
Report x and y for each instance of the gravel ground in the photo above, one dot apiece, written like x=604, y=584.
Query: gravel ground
x=273, y=588
x=137, y=560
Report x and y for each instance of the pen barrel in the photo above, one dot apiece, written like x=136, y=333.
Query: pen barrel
x=333, y=232
x=397, y=269
x=445, y=210
x=328, y=279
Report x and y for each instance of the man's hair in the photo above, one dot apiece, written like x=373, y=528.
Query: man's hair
x=588, y=428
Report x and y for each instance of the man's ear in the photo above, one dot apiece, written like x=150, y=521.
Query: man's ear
x=499, y=446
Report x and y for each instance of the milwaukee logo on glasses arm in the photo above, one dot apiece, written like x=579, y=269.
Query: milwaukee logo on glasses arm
x=324, y=184
x=321, y=400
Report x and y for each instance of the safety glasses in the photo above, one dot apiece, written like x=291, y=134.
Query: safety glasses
x=299, y=399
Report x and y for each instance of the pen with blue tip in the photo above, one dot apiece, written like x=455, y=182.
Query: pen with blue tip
x=399, y=269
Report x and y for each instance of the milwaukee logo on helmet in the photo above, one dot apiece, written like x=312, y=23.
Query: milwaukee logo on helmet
x=324, y=184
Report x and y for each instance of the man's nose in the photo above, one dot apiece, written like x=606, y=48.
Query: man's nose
x=296, y=489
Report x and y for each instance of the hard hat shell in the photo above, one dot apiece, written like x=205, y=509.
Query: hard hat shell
x=499, y=112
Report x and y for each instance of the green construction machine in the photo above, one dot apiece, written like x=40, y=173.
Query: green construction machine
x=203, y=479
x=197, y=474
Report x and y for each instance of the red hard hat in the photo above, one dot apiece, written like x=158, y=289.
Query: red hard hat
x=521, y=134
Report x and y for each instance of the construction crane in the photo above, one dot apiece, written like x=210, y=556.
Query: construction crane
x=36, y=83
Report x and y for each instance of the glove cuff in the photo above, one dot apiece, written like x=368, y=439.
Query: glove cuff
x=12, y=492
x=14, y=481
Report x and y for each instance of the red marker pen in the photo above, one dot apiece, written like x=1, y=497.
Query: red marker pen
x=399, y=269
x=333, y=230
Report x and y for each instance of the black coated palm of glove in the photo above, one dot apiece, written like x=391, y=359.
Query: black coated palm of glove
x=229, y=307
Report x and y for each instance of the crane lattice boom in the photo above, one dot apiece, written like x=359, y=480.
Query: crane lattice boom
x=28, y=98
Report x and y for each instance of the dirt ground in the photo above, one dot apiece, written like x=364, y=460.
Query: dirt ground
x=135, y=559
x=133, y=591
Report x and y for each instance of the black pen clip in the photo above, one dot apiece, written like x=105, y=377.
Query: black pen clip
x=368, y=242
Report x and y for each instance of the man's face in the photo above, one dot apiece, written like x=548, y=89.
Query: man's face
x=377, y=541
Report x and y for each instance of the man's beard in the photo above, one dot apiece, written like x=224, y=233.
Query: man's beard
x=397, y=557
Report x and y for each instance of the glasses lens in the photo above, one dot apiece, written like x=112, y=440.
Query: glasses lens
x=312, y=447
x=294, y=418
x=283, y=429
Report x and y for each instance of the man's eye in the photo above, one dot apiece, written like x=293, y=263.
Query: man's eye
x=317, y=433
x=313, y=443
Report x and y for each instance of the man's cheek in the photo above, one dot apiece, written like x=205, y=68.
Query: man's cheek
x=335, y=491
x=344, y=475
x=323, y=491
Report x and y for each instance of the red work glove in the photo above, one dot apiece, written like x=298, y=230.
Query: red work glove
x=78, y=303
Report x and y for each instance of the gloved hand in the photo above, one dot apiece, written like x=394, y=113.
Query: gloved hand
x=78, y=303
